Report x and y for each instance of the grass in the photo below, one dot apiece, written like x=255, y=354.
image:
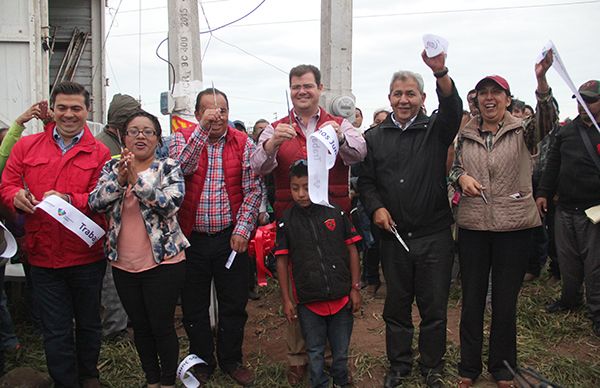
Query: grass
x=560, y=347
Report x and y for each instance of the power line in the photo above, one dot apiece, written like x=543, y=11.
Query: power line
x=105, y=39
x=394, y=15
x=164, y=7
x=252, y=55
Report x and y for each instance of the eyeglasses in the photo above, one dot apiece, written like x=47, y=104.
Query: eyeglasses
x=134, y=132
x=297, y=88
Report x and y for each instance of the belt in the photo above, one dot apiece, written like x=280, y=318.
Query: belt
x=215, y=234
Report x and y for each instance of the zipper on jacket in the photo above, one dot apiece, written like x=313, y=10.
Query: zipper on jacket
x=490, y=209
x=316, y=235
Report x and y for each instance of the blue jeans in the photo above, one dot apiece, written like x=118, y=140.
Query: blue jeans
x=317, y=330
x=61, y=295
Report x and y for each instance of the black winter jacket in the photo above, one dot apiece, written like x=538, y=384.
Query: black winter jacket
x=570, y=171
x=405, y=171
x=315, y=239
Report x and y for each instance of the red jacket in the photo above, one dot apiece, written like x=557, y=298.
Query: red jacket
x=235, y=143
x=38, y=160
x=290, y=151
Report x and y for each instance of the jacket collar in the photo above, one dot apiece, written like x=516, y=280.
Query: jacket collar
x=471, y=129
x=86, y=143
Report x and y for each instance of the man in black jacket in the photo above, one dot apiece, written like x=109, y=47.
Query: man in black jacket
x=403, y=186
x=572, y=173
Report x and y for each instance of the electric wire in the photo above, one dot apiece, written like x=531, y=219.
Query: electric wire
x=250, y=54
x=416, y=13
x=105, y=39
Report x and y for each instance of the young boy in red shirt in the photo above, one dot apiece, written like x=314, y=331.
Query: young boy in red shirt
x=317, y=243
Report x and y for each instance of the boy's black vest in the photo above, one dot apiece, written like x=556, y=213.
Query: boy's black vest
x=318, y=252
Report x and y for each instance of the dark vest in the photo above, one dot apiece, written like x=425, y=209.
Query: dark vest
x=318, y=253
x=295, y=149
x=233, y=151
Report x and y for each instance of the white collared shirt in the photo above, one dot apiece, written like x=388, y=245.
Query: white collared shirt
x=408, y=123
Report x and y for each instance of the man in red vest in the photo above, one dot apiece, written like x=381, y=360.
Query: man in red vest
x=218, y=214
x=284, y=142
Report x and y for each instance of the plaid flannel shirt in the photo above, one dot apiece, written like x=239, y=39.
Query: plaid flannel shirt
x=214, y=212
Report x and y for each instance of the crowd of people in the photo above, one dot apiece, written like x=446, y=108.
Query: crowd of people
x=501, y=186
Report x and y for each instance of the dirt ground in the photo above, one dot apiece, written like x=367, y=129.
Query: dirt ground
x=266, y=333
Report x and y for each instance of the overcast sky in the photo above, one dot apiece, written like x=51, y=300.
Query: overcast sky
x=486, y=37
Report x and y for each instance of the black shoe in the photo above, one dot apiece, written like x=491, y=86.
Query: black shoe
x=202, y=373
x=434, y=380
x=596, y=328
x=393, y=379
x=253, y=295
x=558, y=307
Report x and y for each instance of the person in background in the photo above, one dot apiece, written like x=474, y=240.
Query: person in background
x=496, y=217
x=65, y=161
x=573, y=172
x=240, y=126
x=259, y=126
x=472, y=101
x=141, y=196
x=378, y=116
x=120, y=108
x=114, y=317
x=358, y=118
x=318, y=244
x=516, y=108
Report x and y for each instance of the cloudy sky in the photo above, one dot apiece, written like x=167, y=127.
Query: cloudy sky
x=486, y=37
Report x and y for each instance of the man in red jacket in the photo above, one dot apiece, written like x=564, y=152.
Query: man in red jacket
x=218, y=214
x=284, y=142
x=64, y=160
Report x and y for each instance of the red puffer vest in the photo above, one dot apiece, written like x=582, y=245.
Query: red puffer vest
x=235, y=143
x=295, y=149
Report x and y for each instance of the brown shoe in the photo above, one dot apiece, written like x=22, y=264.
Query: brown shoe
x=242, y=375
x=505, y=384
x=465, y=382
x=295, y=374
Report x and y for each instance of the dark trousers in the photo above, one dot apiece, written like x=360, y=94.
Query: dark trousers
x=539, y=253
x=372, y=258
x=317, y=330
x=424, y=275
x=549, y=221
x=505, y=254
x=578, y=247
x=149, y=298
x=61, y=295
x=206, y=258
